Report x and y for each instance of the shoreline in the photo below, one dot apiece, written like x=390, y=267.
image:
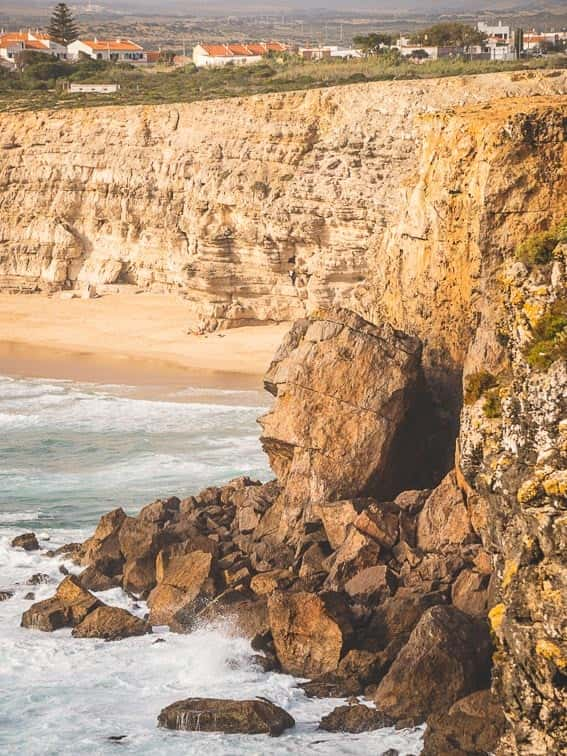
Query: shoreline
x=138, y=340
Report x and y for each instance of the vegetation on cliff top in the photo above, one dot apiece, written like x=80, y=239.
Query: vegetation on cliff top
x=42, y=83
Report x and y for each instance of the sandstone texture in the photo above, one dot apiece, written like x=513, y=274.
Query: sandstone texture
x=355, y=718
x=257, y=717
x=111, y=623
x=332, y=428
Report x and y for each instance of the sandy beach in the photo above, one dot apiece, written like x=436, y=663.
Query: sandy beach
x=136, y=339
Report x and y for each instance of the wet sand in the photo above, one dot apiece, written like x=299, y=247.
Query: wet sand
x=127, y=338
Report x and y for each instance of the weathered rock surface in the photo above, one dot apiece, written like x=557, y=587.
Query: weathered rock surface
x=514, y=459
x=331, y=431
x=354, y=719
x=309, y=631
x=473, y=726
x=446, y=657
x=69, y=607
x=256, y=717
x=111, y=623
x=26, y=541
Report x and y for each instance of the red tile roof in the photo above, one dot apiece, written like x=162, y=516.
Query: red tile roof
x=244, y=50
x=118, y=45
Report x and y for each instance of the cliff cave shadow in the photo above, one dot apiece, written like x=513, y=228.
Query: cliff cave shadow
x=423, y=450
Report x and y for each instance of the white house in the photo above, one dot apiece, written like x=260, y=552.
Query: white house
x=499, y=33
x=327, y=52
x=13, y=43
x=434, y=52
x=117, y=50
x=234, y=54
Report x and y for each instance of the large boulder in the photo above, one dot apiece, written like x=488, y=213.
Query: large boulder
x=446, y=657
x=26, y=541
x=256, y=717
x=473, y=726
x=343, y=389
x=69, y=607
x=309, y=631
x=111, y=623
x=102, y=550
x=354, y=719
x=186, y=584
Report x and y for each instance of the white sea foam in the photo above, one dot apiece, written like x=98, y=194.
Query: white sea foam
x=68, y=453
x=61, y=695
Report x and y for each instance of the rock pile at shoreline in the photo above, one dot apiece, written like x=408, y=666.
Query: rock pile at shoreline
x=330, y=581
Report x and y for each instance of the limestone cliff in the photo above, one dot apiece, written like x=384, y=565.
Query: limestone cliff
x=267, y=207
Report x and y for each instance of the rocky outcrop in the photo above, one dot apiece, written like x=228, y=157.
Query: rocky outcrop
x=26, y=541
x=257, y=717
x=513, y=455
x=333, y=426
x=354, y=719
x=472, y=726
x=309, y=631
x=111, y=623
x=446, y=657
x=68, y=608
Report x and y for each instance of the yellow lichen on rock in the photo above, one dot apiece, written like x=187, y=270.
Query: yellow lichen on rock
x=552, y=652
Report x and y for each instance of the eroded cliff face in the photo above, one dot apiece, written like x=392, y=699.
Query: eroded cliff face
x=267, y=207
x=513, y=454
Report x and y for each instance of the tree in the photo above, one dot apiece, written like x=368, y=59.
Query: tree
x=371, y=44
x=448, y=35
x=62, y=27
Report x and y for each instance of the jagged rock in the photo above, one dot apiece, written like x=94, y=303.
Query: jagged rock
x=268, y=582
x=470, y=593
x=221, y=715
x=356, y=718
x=309, y=631
x=331, y=685
x=396, y=617
x=332, y=427
x=160, y=511
x=357, y=553
x=94, y=580
x=5, y=595
x=103, y=548
x=313, y=561
x=139, y=539
x=47, y=615
x=444, y=520
x=411, y=501
x=70, y=605
x=252, y=502
x=372, y=584
x=26, y=541
x=139, y=576
x=446, y=657
x=186, y=584
x=38, y=578
x=337, y=517
x=30, y=596
x=111, y=623
x=473, y=726
x=377, y=522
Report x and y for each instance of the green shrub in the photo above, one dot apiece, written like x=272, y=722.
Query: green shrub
x=549, y=337
x=492, y=405
x=538, y=248
x=477, y=384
